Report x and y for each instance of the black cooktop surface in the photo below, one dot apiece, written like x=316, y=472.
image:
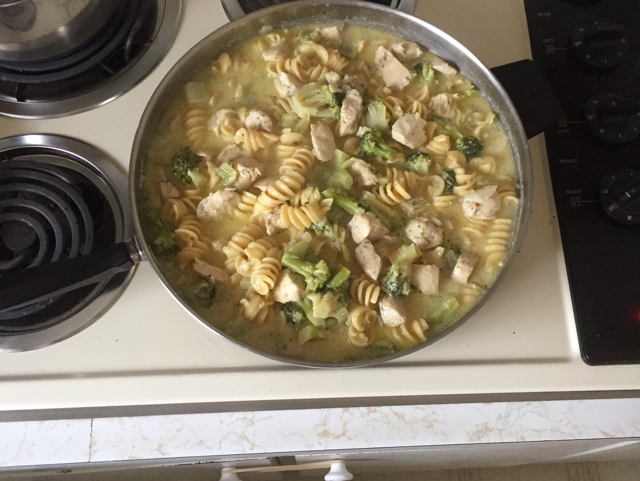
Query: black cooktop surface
x=590, y=52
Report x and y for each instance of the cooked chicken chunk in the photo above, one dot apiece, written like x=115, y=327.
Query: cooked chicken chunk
x=215, y=206
x=356, y=81
x=443, y=67
x=426, y=278
x=258, y=120
x=248, y=170
x=272, y=221
x=443, y=105
x=168, y=190
x=362, y=173
x=216, y=121
x=366, y=226
x=368, y=259
x=394, y=74
x=464, y=267
x=289, y=288
x=279, y=51
x=264, y=184
x=405, y=51
x=332, y=78
x=212, y=272
x=409, y=131
x=324, y=146
x=482, y=203
x=424, y=233
x=218, y=244
x=350, y=113
x=286, y=85
x=229, y=153
x=392, y=311
x=328, y=33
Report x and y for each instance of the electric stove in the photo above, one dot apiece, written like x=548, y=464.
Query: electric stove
x=590, y=51
x=146, y=354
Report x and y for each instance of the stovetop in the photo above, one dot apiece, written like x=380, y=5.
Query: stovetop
x=147, y=351
x=590, y=51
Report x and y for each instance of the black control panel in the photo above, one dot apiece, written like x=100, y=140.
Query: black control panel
x=590, y=52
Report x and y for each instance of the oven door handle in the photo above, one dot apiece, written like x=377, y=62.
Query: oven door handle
x=531, y=94
x=29, y=286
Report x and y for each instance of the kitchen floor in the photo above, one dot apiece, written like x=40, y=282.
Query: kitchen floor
x=601, y=471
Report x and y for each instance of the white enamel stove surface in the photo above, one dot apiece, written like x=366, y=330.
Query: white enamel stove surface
x=147, y=351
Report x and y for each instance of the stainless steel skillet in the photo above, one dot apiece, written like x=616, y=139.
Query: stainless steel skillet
x=533, y=107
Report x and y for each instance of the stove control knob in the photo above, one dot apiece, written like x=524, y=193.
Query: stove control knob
x=600, y=44
x=613, y=117
x=620, y=196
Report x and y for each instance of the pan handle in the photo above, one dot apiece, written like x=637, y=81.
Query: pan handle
x=22, y=288
x=531, y=94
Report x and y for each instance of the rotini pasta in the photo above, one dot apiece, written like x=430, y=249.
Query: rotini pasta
x=365, y=292
x=411, y=334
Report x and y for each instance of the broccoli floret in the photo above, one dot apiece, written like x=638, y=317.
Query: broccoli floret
x=339, y=175
x=203, y=293
x=315, y=275
x=166, y=243
x=396, y=283
x=449, y=177
x=314, y=100
x=469, y=146
x=383, y=348
x=335, y=233
x=418, y=162
x=372, y=144
x=376, y=117
x=184, y=161
x=424, y=72
x=293, y=313
x=343, y=199
x=390, y=218
x=339, y=278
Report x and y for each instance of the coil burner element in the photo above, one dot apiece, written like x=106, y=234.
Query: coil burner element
x=54, y=205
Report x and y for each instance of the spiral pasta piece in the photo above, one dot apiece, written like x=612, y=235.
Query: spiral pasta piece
x=256, y=308
x=227, y=64
x=507, y=192
x=253, y=140
x=174, y=210
x=484, y=164
x=229, y=127
x=265, y=276
x=196, y=127
x=301, y=161
x=439, y=145
x=239, y=242
x=304, y=216
x=361, y=320
x=306, y=196
x=474, y=228
x=465, y=181
x=283, y=190
x=394, y=192
x=327, y=57
x=194, y=244
x=497, y=241
x=247, y=204
x=470, y=294
x=365, y=292
x=279, y=107
x=411, y=333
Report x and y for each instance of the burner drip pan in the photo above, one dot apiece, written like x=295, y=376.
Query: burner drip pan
x=117, y=59
x=59, y=198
